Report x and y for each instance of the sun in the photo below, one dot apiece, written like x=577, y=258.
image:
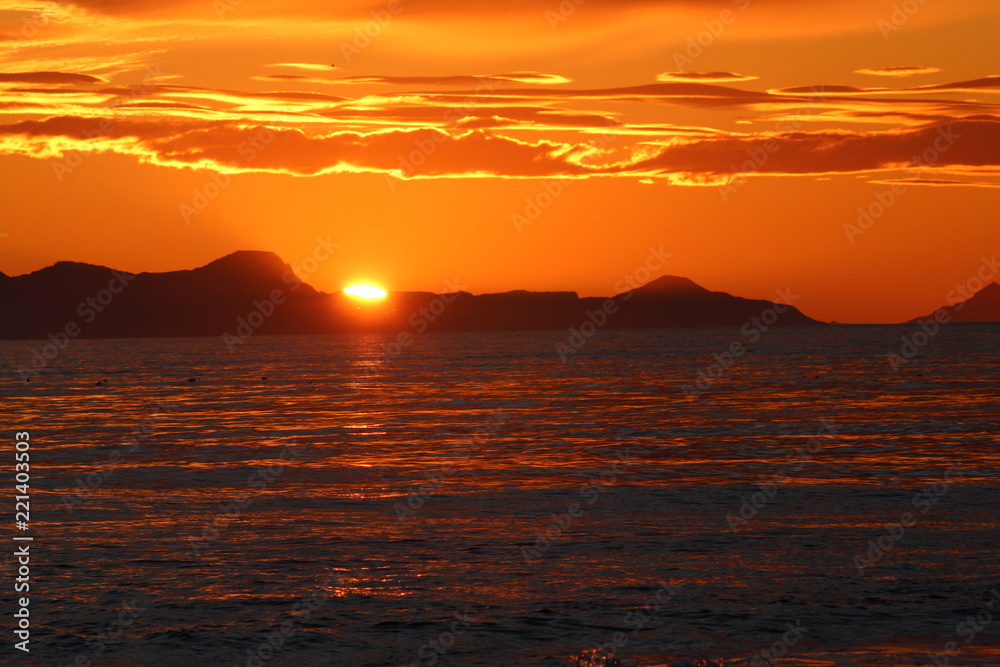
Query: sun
x=365, y=291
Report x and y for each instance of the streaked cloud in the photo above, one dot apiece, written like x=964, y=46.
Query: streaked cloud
x=898, y=70
x=704, y=77
x=487, y=80
x=48, y=77
x=430, y=153
x=937, y=182
x=309, y=67
x=518, y=123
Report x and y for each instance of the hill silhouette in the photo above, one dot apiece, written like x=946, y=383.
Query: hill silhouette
x=252, y=292
x=983, y=306
x=672, y=286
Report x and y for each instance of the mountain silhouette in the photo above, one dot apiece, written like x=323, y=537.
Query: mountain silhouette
x=671, y=286
x=983, y=306
x=252, y=292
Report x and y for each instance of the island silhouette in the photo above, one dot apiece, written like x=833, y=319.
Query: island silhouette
x=982, y=306
x=256, y=292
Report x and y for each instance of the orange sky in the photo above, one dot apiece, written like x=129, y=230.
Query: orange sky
x=527, y=144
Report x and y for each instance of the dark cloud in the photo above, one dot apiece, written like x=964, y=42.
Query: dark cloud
x=983, y=83
x=937, y=182
x=48, y=78
x=964, y=143
x=971, y=85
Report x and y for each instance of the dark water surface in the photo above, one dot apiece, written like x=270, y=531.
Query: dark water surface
x=476, y=501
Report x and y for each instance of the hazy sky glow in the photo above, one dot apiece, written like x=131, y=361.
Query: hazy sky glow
x=849, y=150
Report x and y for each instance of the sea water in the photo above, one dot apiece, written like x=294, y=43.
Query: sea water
x=652, y=498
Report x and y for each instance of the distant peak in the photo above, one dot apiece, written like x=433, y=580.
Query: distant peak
x=248, y=259
x=983, y=306
x=249, y=255
x=673, y=285
x=67, y=264
x=989, y=293
x=992, y=288
x=66, y=268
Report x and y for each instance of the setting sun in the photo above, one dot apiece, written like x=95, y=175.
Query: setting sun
x=366, y=291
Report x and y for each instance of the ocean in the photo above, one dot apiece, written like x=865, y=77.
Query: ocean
x=652, y=498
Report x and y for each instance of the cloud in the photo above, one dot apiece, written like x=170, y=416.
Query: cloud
x=430, y=153
x=981, y=84
x=488, y=81
x=689, y=93
x=907, y=105
x=830, y=89
x=53, y=78
x=704, y=77
x=502, y=125
x=962, y=143
x=309, y=67
x=235, y=149
x=936, y=182
x=898, y=70
x=971, y=85
x=140, y=7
